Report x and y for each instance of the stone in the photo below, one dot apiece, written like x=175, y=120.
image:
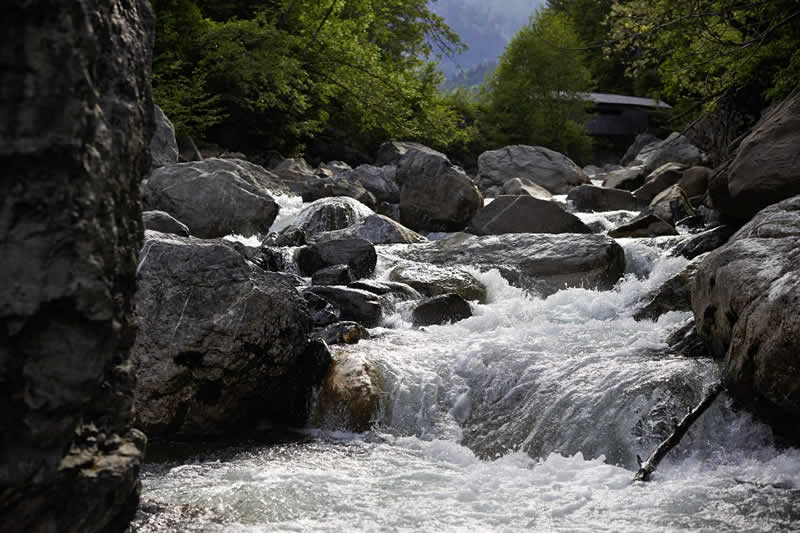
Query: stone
x=674, y=149
x=447, y=308
x=330, y=214
x=336, y=186
x=627, y=179
x=266, y=257
x=288, y=236
x=540, y=262
x=645, y=225
x=766, y=168
x=376, y=229
x=323, y=312
x=552, y=170
x=685, y=341
x=76, y=121
x=343, y=333
x=435, y=195
x=359, y=255
x=675, y=294
x=432, y=280
x=704, y=242
x=353, y=304
x=214, y=197
x=332, y=275
x=163, y=145
x=233, y=155
x=659, y=180
x=525, y=187
x=188, y=150
x=390, y=153
x=694, y=181
x=672, y=205
x=398, y=290
x=336, y=167
x=642, y=140
x=593, y=198
x=164, y=222
x=349, y=398
x=221, y=346
x=524, y=214
x=380, y=181
x=745, y=299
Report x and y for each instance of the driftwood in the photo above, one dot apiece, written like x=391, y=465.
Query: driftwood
x=647, y=468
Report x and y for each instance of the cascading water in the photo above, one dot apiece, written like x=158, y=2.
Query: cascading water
x=526, y=416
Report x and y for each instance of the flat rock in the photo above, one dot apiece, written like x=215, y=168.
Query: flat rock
x=524, y=214
x=432, y=280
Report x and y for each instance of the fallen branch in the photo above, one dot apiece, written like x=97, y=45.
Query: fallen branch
x=647, y=468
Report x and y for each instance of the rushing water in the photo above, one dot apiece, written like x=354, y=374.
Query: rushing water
x=526, y=417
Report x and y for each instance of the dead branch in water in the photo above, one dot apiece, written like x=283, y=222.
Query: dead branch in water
x=647, y=468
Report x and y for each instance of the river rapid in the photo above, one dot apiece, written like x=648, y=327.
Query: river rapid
x=527, y=416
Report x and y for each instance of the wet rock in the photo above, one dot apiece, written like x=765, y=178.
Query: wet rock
x=219, y=347
x=335, y=187
x=332, y=275
x=433, y=280
x=525, y=187
x=642, y=140
x=163, y=146
x=524, y=214
x=745, y=300
x=376, y=229
x=704, y=242
x=628, y=179
x=544, y=263
x=329, y=214
x=435, y=195
x=645, y=225
x=552, y=170
x=214, y=197
x=687, y=342
x=76, y=128
x=694, y=181
x=380, y=181
x=288, y=236
x=266, y=258
x=440, y=310
x=343, y=333
x=164, y=222
x=350, y=395
x=675, y=294
x=323, y=312
x=400, y=291
x=672, y=205
x=592, y=198
x=359, y=255
x=353, y=304
x=674, y=149
x=657, y=181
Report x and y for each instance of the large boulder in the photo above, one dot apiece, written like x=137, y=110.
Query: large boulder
x=435, y=195
x=674, y=149
x=376, y=229
x=76, y=120
x=642, y=140
x=525, y=187
x=358, y=254
x=221, y=346
x=163, y=145
x=745, y=299
x=672, y=205
x=544, y=263
x=695, y=181
x=627, y=179
x=214, y=197
x=336, y=186
x=706, y=241
x=593, y=198
x=380, y=181
x=330, y=214
x=164, y=222
x=660, y=179
x=552, y=170
x=524, y=214
x=391, y=152
x=766, y=168
x=432, y=280
x=349, y=398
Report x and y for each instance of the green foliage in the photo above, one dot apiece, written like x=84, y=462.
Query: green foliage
x=533, y=97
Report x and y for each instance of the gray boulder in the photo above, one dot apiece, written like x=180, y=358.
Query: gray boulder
x=695, y=181
x=704, y=242
x=390, y=153
x=660, y=179
x=360, y=306
x=674, y=149
x=163, y=145
x=76, y=126
x=642, y=140
x=288, y=236
x=672, y=205
x=220, y=345
x=164, y=222
x=380, y=181
x=432, y=280
x=335, y=167
x=524, y=214
x=526, y=187
x=544, y=263
x=332, y=275
x=336, y=186
x=745, y=301
x=645, y=225
x=441, y=310
x=592, y=198
x=552, y=170
x=214, y=197
x=358, y=254
x=376, y=229
x=399, y=291
x=330, y=214
x=628, y=178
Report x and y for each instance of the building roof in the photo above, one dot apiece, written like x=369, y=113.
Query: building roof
x=619, y=99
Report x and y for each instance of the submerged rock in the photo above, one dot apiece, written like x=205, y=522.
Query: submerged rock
x=441, y=310
x=547, y=168
x=164, y=223
x=330, y=214
x=524, y=214
x=675, y=294
x=349, y=398
x=220, y=347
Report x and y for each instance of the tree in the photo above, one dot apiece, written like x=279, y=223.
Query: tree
x=533, y=97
